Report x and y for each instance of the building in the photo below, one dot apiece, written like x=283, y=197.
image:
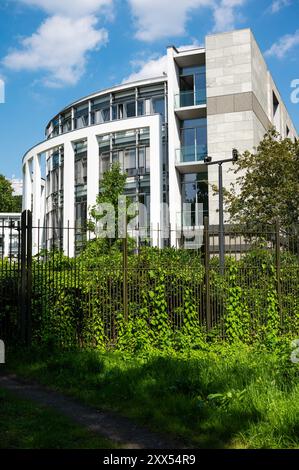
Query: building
x=17, y=186
x=9, y=235
x=212, y=99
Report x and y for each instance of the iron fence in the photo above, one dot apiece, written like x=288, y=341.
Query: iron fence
x=46, y=294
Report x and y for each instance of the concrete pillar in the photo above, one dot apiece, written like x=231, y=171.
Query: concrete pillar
x=156, y=168
x=36, y=215
x=27, y=188
x=69, y=200
x=93, y=171
x=174, y=144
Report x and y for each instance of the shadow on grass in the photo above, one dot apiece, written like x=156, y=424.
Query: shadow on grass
x=170, y=394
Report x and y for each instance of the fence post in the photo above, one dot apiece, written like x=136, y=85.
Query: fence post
x=23, y=286
x=125, y=274
x=26, y=278
x=29, y=279
x=207, y=272
x=278, y=267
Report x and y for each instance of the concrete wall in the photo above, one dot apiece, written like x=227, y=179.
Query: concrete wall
x=240, y=101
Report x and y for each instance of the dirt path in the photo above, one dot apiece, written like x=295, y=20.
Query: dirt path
x=114, y=427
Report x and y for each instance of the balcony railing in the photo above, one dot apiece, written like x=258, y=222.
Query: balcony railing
x=191, y=153
x=189, y=219
x=190, y=98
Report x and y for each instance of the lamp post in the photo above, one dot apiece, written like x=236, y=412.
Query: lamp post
x=208, y=161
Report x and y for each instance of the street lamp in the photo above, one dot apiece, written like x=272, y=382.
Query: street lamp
x=208, y=161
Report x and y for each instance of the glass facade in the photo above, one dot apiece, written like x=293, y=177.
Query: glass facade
x=54, y=197
x=132, y=150
x=80, y=156
x=194, y=191
x=192, y=86
x=138, y=101
x=193, y=135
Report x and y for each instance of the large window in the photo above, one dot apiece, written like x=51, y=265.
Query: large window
x=195, y=193
x=192, y=86
x=193, y=140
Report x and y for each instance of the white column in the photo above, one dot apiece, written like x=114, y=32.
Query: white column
x=156, y=165
x=69, y=200
x=93, y=173
x=173, y=144
x=36, y=215
x=27, y=187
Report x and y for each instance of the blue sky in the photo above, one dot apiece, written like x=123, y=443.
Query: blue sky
x=55, y=51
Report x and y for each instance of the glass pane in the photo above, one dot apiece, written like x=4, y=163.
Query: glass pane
x=159, y=106
x=131, y=109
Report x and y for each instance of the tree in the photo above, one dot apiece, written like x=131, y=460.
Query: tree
x=8, y=202
x=112, y=187
x=267, y=184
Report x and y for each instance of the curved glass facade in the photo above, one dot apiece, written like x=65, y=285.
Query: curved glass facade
x=124, y=104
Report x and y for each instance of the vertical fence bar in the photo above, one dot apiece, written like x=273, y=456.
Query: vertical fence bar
x=125, y=275
x=29, y=279
x=23, y=286
x=207, y=271
x=278, y=267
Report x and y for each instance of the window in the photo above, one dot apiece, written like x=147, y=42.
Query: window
x=192, y=85
x=81, y=117
x=159, y=106
x=195, y=193
x=275, y=104
x=130, y=161
x=101, y=111
x=193, y=139
x=104, y=163
x=131, y=109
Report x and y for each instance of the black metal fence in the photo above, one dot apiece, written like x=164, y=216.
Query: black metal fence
x=46, y=295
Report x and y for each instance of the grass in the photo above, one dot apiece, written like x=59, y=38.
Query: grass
x=227, y=397
x=25, y=425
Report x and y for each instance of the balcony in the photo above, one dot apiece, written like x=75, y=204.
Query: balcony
x=186, y=99
x=191, y=153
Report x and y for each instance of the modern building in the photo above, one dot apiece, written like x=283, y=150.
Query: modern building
x=212, y=99
x=9, y=235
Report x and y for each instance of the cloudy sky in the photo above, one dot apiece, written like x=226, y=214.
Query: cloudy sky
x=55, y=51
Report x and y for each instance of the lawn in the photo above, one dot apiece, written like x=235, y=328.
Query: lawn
x=25, y=425
x=224, y=397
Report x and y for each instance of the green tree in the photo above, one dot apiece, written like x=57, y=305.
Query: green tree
x=267, y=184
x=8, y=202
x=111, y=188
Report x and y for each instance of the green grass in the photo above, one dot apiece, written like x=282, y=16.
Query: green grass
x=25, y=425
x=227, y=397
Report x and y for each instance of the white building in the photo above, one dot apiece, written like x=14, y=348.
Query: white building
x=212, y=99
x=9, y=234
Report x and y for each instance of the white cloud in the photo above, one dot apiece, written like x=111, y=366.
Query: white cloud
x=277, y=5
x=280, y=48
x=225, y=14
x=156, y=19
x=59, y=47
x=150, y=69
x=154, y=67
x=70, y=8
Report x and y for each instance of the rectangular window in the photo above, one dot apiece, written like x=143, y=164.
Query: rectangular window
x=131, y=109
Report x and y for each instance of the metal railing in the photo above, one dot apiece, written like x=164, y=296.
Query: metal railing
x=190, y=98
x=191, y=153
x=51, y=295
